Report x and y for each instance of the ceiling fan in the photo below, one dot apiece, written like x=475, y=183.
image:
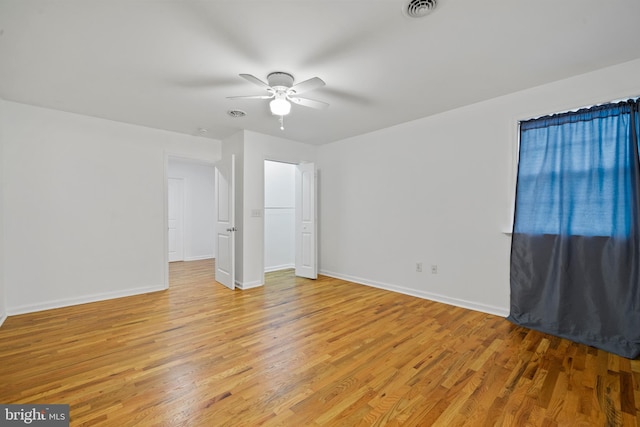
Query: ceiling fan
x=283, y=92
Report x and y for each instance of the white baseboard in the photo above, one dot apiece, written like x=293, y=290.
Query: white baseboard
x=2, y=319
x=248, y=285
x=198, y=258
x=470, y=305
x=65, y=302
x=279, y=267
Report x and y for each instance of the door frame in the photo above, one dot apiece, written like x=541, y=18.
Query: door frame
x=293, y=160
x=264, y=212
x=165, y=205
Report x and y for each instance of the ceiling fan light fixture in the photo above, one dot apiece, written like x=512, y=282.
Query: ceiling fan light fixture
x=282, y=92
x=280, y=107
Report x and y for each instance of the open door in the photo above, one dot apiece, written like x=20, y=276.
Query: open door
x=225, y=232
x=306, y=227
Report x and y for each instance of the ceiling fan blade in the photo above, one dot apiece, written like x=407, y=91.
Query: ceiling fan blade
x=309, y=103
x=251, y=97
x=307, y=85
x=256, y=81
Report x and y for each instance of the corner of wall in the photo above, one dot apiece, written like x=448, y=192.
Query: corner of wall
x=3, y=305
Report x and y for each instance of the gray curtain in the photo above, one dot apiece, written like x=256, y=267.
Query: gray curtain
x=575, y=255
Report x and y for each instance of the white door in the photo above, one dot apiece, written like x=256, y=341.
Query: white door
x=306, y=245
x=176, y=219
x=225, y=230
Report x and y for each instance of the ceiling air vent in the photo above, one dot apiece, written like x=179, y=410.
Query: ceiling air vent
x=419, y=8
x=236, y=113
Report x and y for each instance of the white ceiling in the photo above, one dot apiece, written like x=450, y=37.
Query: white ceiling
x=170, y=64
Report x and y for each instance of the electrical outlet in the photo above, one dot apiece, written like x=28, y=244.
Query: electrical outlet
x=419, y=267
x=434, y=269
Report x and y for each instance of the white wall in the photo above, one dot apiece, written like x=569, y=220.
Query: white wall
x=85, y=206
x=439, y=191
x=83, y=200
x=199, y=207
x=3, y=309
x=279, y=215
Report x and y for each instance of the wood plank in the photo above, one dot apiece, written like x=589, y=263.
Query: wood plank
x=304, y=352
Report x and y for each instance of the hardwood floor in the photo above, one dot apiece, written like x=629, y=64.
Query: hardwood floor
x=299, y=352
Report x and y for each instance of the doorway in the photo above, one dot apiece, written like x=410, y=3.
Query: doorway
x=279, y=216
x=290, y=219
x=190, y=200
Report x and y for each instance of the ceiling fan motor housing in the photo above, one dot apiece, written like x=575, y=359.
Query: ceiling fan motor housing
x=281, y=79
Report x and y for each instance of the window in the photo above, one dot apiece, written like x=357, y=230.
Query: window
x=574, y=173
